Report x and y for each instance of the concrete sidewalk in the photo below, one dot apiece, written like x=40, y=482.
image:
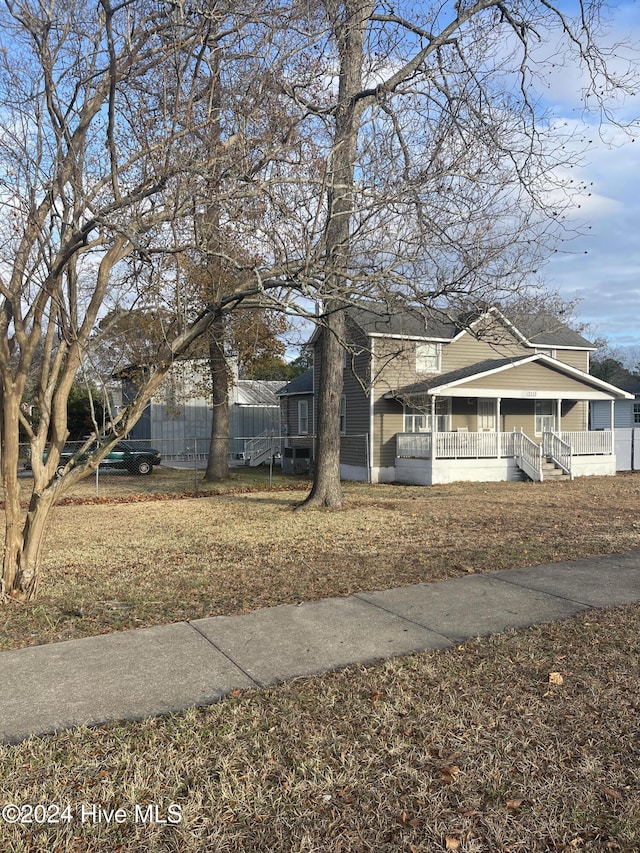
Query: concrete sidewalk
x=135, y=674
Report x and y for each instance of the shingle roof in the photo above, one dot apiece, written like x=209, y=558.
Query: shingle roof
x=540, y=329
x=302, y=384
x=383, y=320
x=470, y=370
x=547, y=330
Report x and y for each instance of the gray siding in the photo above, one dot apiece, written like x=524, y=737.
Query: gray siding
x=356, y=379
x=600, y=414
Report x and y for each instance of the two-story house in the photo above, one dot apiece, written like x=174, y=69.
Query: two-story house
x=433, y=401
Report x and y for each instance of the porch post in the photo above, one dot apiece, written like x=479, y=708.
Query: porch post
x=434, y=429
x=498, y=429
x=559, y=417
x=612, y=415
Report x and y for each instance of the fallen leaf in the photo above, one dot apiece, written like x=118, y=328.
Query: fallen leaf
x=556, y=678
x=449, y=773
x=451, y=843
x=514, y=804
x=610, y=792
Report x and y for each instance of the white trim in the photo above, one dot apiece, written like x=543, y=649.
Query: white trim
x=540, y=426
x=493, y=415
x=371, y=409
x=429, y=371
x=560, y=366
x=493, y=311
x=410, y=337
x=520, y=394
x=306, y=431
x=516, y=332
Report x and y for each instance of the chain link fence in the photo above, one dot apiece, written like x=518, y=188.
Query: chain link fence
x=293, y=453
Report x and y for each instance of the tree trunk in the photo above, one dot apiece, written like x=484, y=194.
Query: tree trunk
x=348, y=21
x=23, y=537
x=218, y=461
x=327, y=488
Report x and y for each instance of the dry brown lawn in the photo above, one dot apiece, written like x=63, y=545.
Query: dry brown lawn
x=471, y=750
x=477, y=749
x=129, y=559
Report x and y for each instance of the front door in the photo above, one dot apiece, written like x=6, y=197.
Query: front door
x=487, y=415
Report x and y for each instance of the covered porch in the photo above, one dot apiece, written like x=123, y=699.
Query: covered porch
x=445, y=457
x=503, y=420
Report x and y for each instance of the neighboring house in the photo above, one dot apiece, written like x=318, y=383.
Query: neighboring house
x=437, y=401
x=626, y=412
x=297, y=423
x=626, y=421
x=178, y=418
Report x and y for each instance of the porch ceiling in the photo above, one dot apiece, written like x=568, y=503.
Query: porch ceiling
x=530, y=377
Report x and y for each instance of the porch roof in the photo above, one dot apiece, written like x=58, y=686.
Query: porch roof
x=513, y=378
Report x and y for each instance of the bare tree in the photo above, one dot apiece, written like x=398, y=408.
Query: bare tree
x=444, y=179
x=369, y=151
x=99, y=143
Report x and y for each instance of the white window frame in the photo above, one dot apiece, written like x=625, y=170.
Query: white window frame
x=343, y=414
x=428, y=357
x=303, y=406
x=636, y=412
x=419, y=420
x=487, y=414
x=545, y=421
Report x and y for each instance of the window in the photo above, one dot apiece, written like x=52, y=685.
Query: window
x=303, y=417
x=487, y=415
x=419, y=420
x=415, y=420
x=343, y=415
x=428, y=358
x=545, y=417
x=636, y=412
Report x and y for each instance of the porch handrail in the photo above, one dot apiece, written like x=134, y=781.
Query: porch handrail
x=554, y=447
x=259, y=445
x=528, y=455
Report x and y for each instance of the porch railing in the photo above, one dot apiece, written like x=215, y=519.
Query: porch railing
x=555, y=448
x=455, y=445
x=413, y=445
x=593, y=443
x=492, y=445
x=528, y=455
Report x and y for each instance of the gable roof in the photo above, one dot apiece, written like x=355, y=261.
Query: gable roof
x=543, y=329
x=453, y=383
x=537, y=329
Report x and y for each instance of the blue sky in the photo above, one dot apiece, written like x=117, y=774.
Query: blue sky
x=602, y=268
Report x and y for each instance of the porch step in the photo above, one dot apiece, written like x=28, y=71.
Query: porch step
x=551, y=471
